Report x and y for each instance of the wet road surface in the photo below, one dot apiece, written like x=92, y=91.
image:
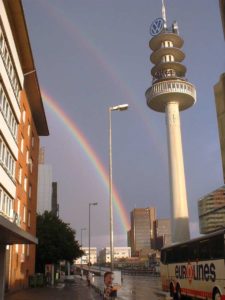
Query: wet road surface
x=77, y=290
x=133, y=288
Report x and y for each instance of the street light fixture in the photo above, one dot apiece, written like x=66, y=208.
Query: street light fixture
x=89, y=231
x=120, y=107
x=81, y=241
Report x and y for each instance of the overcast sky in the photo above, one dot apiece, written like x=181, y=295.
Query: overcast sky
x=92, y=54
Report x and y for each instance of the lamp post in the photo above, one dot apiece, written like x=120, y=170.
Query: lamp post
x=112, y=108
x=89, y=233
x=81, y=241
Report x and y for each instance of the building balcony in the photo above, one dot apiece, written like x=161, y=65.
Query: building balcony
x=163, y=92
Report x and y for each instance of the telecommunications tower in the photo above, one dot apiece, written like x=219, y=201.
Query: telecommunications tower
x=171, y=93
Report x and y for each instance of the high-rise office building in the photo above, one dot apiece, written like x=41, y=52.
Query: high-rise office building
x=171, y=93
x=44, y=199
x=129, y=238
x=211, y=211
x=162, y=233
x=55, y=205
x=22, y=121
x=44, y=192
x=141, y=234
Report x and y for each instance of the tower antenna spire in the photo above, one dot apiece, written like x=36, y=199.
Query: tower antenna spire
x=164, y=13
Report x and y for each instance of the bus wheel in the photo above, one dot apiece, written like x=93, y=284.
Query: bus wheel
x=178, y=293
x=216, y=295
x=171, y=290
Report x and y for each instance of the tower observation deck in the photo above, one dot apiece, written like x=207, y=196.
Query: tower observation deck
x=170, y=93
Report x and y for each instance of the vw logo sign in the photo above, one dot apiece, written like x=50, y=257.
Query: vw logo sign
x=156, y=26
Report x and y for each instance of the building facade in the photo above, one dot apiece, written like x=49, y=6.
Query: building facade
x=211, y=211
x=162, y=233
x=222, y=12
x=22, y=121
x=141, y=235
x=55, y=205
x=85, y=258
x=118, y=254
x=219, y=92
x=44, y=198
x=47, y=189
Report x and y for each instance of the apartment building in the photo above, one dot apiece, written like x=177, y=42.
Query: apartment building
x=85, y=258
x=118, y=253
x=211, y=211
x=22, y=121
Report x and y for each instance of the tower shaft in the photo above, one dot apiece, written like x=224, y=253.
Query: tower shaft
x=179, y=208
x=171, y=93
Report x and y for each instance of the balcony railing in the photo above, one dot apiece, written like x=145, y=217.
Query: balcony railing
x=172, y=86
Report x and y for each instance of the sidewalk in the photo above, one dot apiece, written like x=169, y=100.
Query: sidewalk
x=76, y=290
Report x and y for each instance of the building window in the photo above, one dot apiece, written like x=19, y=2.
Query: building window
x=22, y=144
x=6, y=159
x=25, y=184
x=28, y=219
x=31, y=164
x=28, y=130
x=24, y=214
x=7, y=112
x=6, y=204
x=28, y=250
x=24, y=115
x=18, y=210
x=32, y=141
x=30, y=191
x=8, y=62
x=20, y=175
x=22, y=259
x=27, y=157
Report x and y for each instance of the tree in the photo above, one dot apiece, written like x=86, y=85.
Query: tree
x=56, y=241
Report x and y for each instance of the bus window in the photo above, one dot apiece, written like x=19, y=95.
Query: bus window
x=217, y=247
x=204, y=250
x=193, y=252
x=183, y=255
x=170, y=256
x=163, y=256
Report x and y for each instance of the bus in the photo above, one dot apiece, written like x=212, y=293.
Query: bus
x=195, y=268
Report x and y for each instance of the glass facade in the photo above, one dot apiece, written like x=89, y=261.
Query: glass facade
x=142, y=229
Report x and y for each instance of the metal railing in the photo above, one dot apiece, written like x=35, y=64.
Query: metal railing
x=172, y=86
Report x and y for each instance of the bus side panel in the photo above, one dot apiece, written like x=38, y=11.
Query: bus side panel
x=198, y=279
x=164, y=277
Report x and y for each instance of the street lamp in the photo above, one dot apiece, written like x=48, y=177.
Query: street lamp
x=81, y=241
x=112, y=108
x=89, y=231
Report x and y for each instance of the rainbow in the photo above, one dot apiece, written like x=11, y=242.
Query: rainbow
x=82, y=141
x=87, y=44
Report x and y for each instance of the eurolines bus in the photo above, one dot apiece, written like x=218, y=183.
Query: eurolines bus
x=195, y=268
